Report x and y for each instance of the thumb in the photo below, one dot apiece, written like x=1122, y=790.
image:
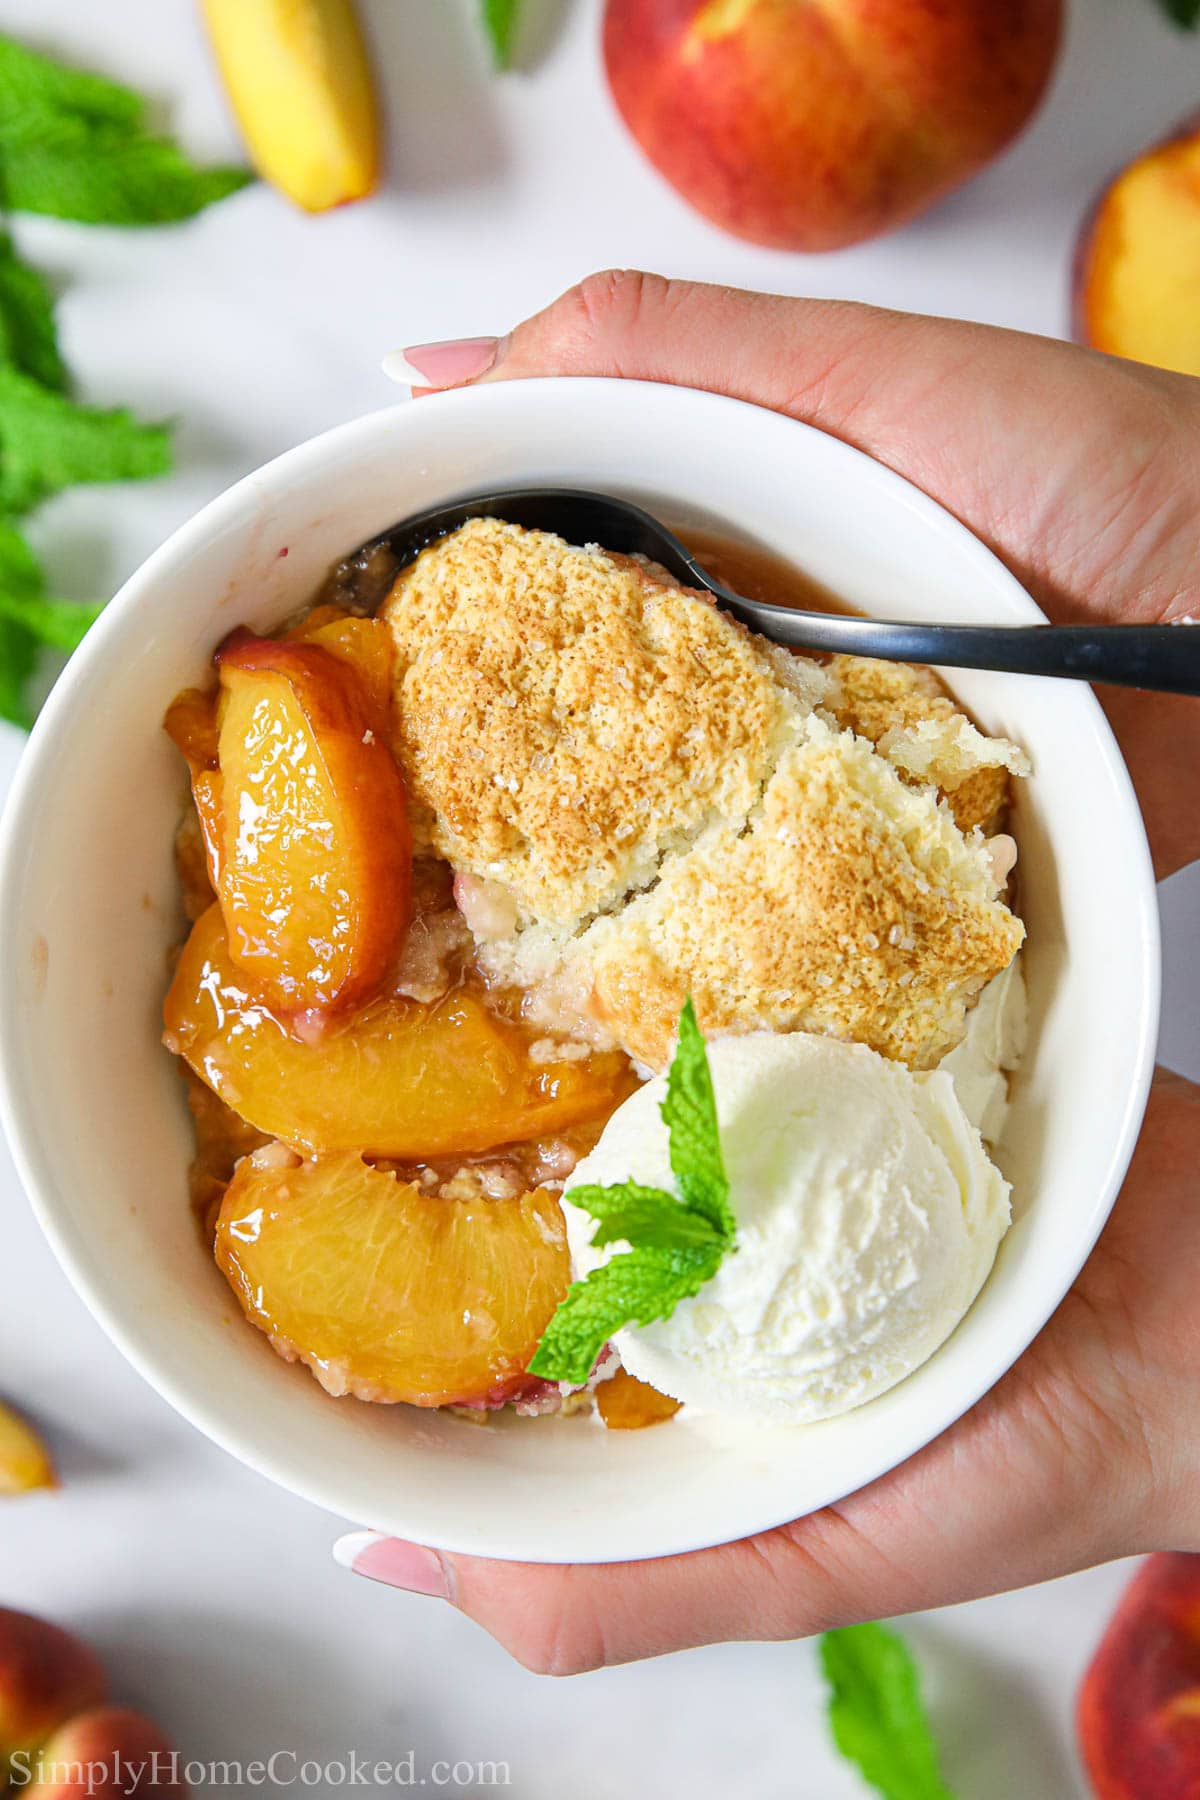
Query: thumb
x=561, y=1619
x=937, y=1530
x=814, y=359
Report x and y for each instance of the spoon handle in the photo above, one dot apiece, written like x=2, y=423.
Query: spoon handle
x=1164, y=657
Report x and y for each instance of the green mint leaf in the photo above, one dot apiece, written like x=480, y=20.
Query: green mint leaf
x=20, y=571
x=28, y=339
x=500, y=22
x=61, y=624
x=18, y=660
x=72, y=145
x=876, y=1713
x=21, y=580
x=635, y=1288
x=690, y=1114
x=98, y=177
x=32, y=86
x=645, y=1216
x=1184, y=12
x=48, y=443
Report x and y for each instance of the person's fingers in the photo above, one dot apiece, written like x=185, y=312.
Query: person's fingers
x=959, y=1520
x=994, y=424
x=1075, y=1457
x=1012, y=432
x=1015, y=1493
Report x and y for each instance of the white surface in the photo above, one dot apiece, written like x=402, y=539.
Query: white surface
x=89, y=923
x=210, y=1592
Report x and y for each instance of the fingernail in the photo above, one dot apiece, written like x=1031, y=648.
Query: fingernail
x=447, y=364
x=394, y=1562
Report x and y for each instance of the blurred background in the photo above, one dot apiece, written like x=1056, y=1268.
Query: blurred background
x=210, y=1595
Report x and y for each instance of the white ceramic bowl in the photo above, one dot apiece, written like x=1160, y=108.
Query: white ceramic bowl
x=89, y=909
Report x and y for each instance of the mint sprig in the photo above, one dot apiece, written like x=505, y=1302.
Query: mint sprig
x=75, y=146
x=876, y=1713
x=1183, y=12
x=500, y=23
x=690, y=1113
x=676, y=1241
x=28, y=339
x=48, y=442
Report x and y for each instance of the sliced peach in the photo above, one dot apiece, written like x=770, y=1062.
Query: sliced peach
x=191, y=723
x=315, y=866
x=326, y=613
x=1137, y=277
x=627, y=1404
x=388, y=1293
x=398, y=1080
x=24, y=1459
x=366, y=645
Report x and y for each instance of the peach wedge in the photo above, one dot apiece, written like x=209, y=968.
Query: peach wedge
x=24, y=1459
x=299, y=80
x=627, y=1404
x=398, y=1080
x=385, y=1292
x=315, y=866
x=1137, y=277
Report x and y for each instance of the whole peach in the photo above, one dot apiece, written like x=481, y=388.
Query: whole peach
x=46, y=1676
x=106, y=1753
x=812, y=124
x=1138, y=1713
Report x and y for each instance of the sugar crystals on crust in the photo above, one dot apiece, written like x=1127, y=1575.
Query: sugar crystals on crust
x=567, y=718
x=657, y=802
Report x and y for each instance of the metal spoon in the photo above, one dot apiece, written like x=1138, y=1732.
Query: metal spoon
x=1165, y=657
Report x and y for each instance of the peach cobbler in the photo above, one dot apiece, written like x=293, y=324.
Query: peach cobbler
x=463, y=837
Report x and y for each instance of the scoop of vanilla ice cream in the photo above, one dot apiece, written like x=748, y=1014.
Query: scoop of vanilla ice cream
x=868, y=1218
x=994, y=1041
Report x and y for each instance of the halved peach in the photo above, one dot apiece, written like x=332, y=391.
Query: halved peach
x=315, y=864
x=1137, y=275
x=385, y=1292
x=627, y=1404
x=398, y=1080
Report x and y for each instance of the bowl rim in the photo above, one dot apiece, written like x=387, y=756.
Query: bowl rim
x=18, y=825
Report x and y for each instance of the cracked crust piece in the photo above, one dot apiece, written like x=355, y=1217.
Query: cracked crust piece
x=568, y=717
x=852, y=906
x=641, y=800
x=910, y=717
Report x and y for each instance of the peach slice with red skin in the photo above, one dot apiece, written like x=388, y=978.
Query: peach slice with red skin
x=314, y=870
x=365, y=645
x=388, y=1293
x=398, y=1080
x=1137, y=273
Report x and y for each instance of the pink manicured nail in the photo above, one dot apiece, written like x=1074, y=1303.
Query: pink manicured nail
x=394, y=1562
x=442, y=365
